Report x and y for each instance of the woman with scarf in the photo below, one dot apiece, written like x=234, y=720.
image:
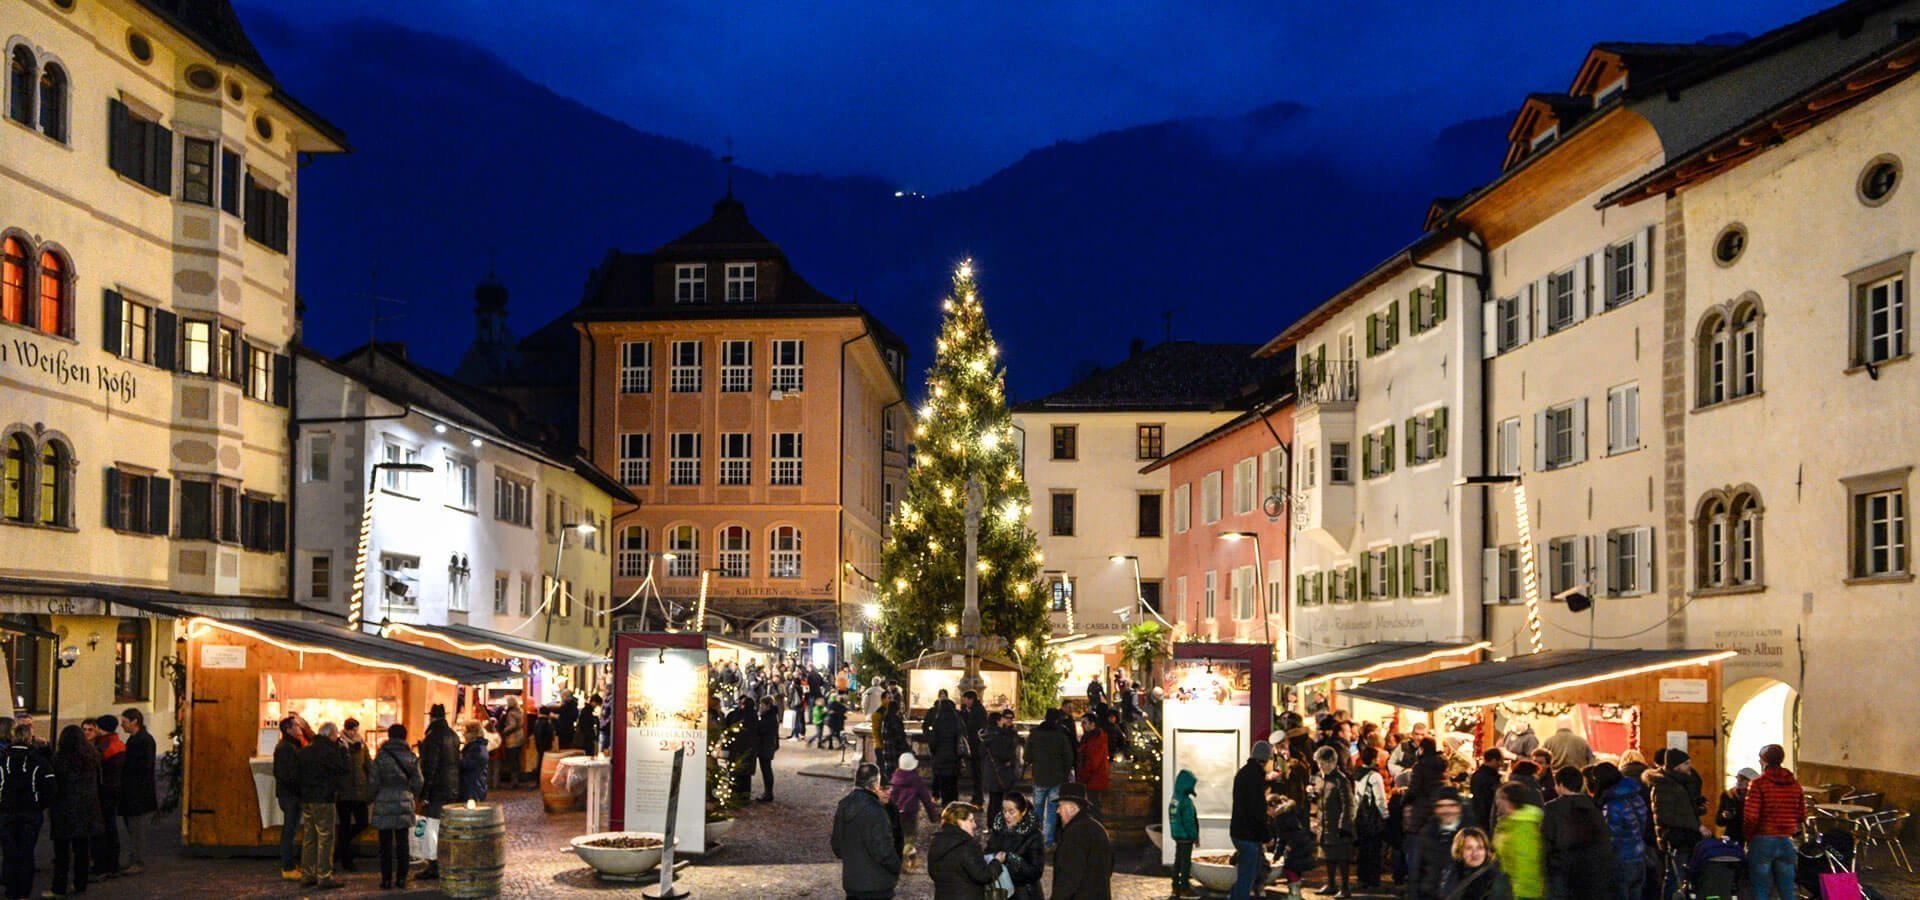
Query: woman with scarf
x=1016, y=832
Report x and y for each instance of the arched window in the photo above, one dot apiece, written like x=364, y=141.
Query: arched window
x=1712, y=352
x=1711, y=529
x=1728, y=352
x=1743, y=366
x=53, y=302
x=18, y=466
x=735, y=546
x=23, y=74
x=1727, y=533
x=683, y=541
x=784, y=558
x=13, y=280
x=635, y=543
x=56, y=484
x=1743, y=517
x=53, y=102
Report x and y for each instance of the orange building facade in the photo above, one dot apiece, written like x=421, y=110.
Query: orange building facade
x=750, y=414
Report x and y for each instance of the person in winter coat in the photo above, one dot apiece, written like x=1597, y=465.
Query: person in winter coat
x=766, y=744
x=911, y=798
x=1001, y=758
x=513, y=745
x=566, y=720
x=1516, y=843
x=475, y=764
x=1485, y=781
x=1183, y=828
x=1083, y=858
x=105, y=850
x=1678, y=802
x=892, y=734
x=1771, y=816
x=974, y=724
x=1566, y=749
x=1577, y=842
x=356, y=793
x=1628, y=823
x=397, y=783
x=1474, y=873
x=1016, y=834
x=836, y=721
x=286, y=793
x=323, y=772
x=586, y=729
x=75, y=813
x=1247, y=826
x=1370, y=817
x=139, y=796
x=27, y=787
x=1728, y=816
x=954, y=861
x=1051, y=751
x=1520, y=741
x=943, y=727
x=1433, y=846
x=1335, y=799
x=864, y=839
x=440, y=766
x=1094, y=765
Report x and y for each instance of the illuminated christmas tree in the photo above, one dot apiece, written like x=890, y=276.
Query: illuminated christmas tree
x=963, y=431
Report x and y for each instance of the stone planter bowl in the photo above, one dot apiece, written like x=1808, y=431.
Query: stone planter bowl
x=716, y=829
x=617, y=862
x=1155, y=835
x=1214, y=876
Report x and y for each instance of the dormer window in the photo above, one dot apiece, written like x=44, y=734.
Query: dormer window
x=690, y=283
x=1619, y=86
x=1545, y=137
x=741, y=279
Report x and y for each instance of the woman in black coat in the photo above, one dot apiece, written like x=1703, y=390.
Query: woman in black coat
x=1017, y=834
x=76, y=807
x=943, y=734
x=958, y=869
x=893, y=737
x=1336, y=819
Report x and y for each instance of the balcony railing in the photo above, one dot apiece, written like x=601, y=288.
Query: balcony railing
x=1331, y=381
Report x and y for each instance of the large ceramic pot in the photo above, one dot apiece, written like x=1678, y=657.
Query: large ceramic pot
x=1154, y=835
x=716, y=829
x=1212, y=869
x=620, y=862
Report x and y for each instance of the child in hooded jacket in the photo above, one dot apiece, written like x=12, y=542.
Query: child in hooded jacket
x=1183, y=826
x=911, y=797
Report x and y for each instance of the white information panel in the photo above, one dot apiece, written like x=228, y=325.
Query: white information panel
x=1208, y=731
x=666, y=711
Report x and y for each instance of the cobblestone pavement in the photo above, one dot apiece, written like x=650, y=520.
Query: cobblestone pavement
x=775, y=851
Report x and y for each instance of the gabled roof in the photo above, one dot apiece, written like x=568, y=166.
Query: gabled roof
x=1643, y=62
x=1562, y=111
x=1709, y=64
x=213, y=25
x=1171, y=377
x=726, y=230
x=1278, y=395
x=1386, y=269
x=1775, y=126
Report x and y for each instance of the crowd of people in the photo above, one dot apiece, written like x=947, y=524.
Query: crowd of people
x=92, y=787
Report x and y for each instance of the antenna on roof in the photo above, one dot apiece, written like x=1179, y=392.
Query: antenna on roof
x=728, y=160
x=374, y=318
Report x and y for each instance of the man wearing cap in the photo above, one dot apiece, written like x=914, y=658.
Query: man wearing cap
x=863, y=839
x=1677, y=804
x=1083, y=857
x=1728, y=816
x=1247, y=826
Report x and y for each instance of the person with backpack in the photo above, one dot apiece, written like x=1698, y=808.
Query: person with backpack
x=1336, y=819
x=1628, y=823
x=1183, y=828
x=1678, y=802
x=1370, y=805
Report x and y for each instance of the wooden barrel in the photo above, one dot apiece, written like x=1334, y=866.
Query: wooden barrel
x=473, y=850
x=1129, y=806
x=560, y=798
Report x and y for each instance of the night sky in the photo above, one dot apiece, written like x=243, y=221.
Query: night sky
x=943, y=99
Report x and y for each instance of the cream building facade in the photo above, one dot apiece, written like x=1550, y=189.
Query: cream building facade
x=148, y=168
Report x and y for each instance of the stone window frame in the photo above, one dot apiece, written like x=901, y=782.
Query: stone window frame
x=1860, y=181
x=1900, y=266
x=1858, y=486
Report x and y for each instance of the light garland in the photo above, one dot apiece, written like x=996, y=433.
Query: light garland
x=1362, y=673
x=357, y=604
x=197, y=626
x=1529, y=567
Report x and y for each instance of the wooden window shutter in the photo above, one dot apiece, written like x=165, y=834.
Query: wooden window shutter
x=1489, y=329
x=166, y=346
x=1373, y=335
x=1540, y=441
x=1386, y=450
x=1526, y=315
x=1440, y=298
x=160, y=159
x=1490, y=575
x=1605, y=553
x=1416, y=312
x=159, y=505
x=1393, y=323
x=1643, y=262
x=110, y=322
x=1439, y=432
x=1352, y=574
x=1440, y=582
x=1580, y=431
x=1300, y=587
x=282, y=379
x=1393, y=571
x=120, y=139
x=1366, y=456
x=1366, y=575
x=116, y=515
x=1643, y=557
x=1413, y=438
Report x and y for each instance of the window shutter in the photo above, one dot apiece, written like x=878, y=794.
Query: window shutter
x=1580, y=431
x=110, y=322
x=1604, y=553
x=159, y=505
x=162, y=159
x=1393, y=571
x=282, y=379
x=277, y=527
x=1490, y=575
x=1300, y=587
x=1373, y=335
x=1579, y=547
x=1393, y=323
x=166, y=342
x=1440, y=299
x=1412, y=440
x=1595, y=287
x=115, y=515
x=1526, y=315
x=1441, y=584
x=119, y=138
x=1489, y=329
x=1366, y=456
x=1416, y=312
x=1643, y=262
x=1540, y=441
x=1386, y=450
x=1643, y=558
x=1439, y=431
x=1366, y=575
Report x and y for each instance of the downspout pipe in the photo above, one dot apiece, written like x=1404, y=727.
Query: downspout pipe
x=840, y=514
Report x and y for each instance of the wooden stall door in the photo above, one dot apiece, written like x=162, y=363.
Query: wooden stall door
x=222, y=734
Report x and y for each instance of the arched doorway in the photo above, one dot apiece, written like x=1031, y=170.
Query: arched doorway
x=790, y=634
x=1762, y=711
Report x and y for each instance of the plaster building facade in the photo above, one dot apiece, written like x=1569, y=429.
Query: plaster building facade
x=476, y=540
x=148, y=169
x=760, y=423
x=1385, y=544
x=1087, y=459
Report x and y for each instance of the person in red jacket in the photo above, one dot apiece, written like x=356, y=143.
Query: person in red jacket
x=1095, y=762
x=1774, y=809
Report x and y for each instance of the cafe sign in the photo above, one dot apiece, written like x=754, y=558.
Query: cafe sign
x=63, y=368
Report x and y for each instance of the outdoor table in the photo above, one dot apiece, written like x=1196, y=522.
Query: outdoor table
x=597, y=771
x=1843, y=810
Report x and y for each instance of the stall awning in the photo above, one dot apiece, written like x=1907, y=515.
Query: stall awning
x=366, y=649
x=744, y=646
x=469, y=638
x=1365, y=659
x=1525, y=676
x=1083, y=643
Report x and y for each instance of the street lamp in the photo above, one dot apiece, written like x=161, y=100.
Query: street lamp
x=1139, y=593
x=1266, y=615
x=1529, y=567
x=559, y=552
x=357, y=604
x=64, y=656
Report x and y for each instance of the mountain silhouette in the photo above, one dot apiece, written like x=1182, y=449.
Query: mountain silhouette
x=1235, y=225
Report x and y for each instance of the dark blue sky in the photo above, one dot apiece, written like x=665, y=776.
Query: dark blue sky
x=939, y=96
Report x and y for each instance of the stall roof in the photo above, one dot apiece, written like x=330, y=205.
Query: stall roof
x=1365, y=659
x=738, y=644
x=467, y=637
x=1525, y=676
x=366, y=649
x=1073, y=642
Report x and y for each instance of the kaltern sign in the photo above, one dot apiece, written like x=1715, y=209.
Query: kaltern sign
x=66, y=370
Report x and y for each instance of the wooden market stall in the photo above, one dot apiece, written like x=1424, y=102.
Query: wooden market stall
x=1642, y=700
x=244, y=675
x=1089, y=658
x=1321, y=675
x=548, y=668
x=741, y=653
x=935, y=672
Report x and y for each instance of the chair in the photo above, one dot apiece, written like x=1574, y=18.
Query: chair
x=1869, y=799
x=1882, y=829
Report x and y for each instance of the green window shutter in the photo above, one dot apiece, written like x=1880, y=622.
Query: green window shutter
x=1353, y=582
x=1366, y=456
x=1440, y=298
x=1440, y=583
x=1439, y=431
x=1393, y=571
x=1393, y=323
x=1415, y=324
x=1386, y=450
x=110, y=322
x=1300, y=587
x=1366, y=575
x=1373, y=335
x=1411, y=438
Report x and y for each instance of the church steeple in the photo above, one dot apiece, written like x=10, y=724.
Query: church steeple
x=493, y=354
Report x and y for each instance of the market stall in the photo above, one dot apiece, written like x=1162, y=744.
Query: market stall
x=1089, y=658
x=245, y=675
x=1319, y=681
x=741, y=653
x=1618, y=700
x=548, y=668
x=936, y=672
